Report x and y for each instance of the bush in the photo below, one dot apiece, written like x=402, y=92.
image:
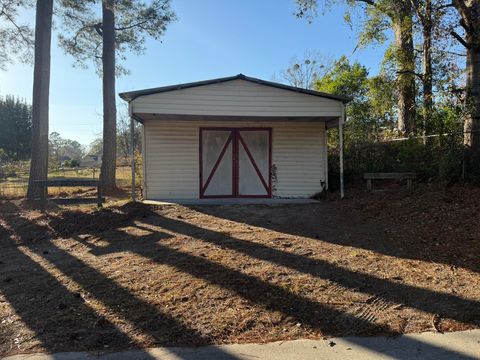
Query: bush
x=439, y=159
x=71, y=163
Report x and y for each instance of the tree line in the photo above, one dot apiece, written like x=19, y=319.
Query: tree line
x=16, y=137
x=16, y=125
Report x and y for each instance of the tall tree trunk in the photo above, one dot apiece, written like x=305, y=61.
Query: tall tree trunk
x=403, y=31
x=427, y=66
x=472, y=121
x=109, y=107
x=41, y=88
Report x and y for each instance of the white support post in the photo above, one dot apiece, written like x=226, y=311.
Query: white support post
x=325, y=145
x=340, y=138
x=132, y=150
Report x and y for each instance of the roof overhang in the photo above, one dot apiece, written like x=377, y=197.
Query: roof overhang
x=132, y=95
x=330, y=121
x=142, y=117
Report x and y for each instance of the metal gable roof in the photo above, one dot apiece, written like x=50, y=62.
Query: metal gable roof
x=132, y=95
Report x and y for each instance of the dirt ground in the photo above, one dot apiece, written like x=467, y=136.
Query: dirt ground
x=132, y=275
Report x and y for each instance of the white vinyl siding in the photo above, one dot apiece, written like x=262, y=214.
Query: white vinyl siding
x=236, y=98
x=298, y=155
x=172, y=157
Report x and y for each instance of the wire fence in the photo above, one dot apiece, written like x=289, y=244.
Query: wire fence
x=14, y=179
x=442, y=157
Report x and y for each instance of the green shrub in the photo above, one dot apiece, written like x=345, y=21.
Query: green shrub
x=71, y=163
x=439, y=159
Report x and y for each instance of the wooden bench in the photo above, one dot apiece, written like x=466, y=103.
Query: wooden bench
x=409, y=176
x=45, y=184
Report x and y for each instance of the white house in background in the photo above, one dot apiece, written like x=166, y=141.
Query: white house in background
x=234, y=137
x=91, y=161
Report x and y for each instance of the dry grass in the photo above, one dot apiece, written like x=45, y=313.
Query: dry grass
x=16, y=187
x=134, y=275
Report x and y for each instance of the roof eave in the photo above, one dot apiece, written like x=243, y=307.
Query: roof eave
x=132, y=95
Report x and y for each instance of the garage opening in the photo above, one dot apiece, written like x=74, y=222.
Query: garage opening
x=235, y=162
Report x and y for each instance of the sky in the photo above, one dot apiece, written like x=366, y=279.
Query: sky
x=210, y=39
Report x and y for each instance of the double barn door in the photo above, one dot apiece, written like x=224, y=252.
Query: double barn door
x=235, y=162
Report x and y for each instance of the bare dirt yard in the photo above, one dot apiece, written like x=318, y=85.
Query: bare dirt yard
x=132, y=275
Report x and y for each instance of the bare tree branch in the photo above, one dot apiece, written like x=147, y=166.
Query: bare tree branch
x=444, y=6
x=454, y=53
x=20, y=31
x=134, y=25
x=460, y=39
x=98, y=28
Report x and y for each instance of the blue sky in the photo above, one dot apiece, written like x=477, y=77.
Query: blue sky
x=211, y=38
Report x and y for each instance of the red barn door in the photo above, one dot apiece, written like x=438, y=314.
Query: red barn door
x=235, y=162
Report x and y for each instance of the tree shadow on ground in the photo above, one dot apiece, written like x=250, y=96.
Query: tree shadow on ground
x=340, y=225
x=317, y=316
x=25, y=280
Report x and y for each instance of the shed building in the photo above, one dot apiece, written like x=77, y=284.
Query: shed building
x=234, y=137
